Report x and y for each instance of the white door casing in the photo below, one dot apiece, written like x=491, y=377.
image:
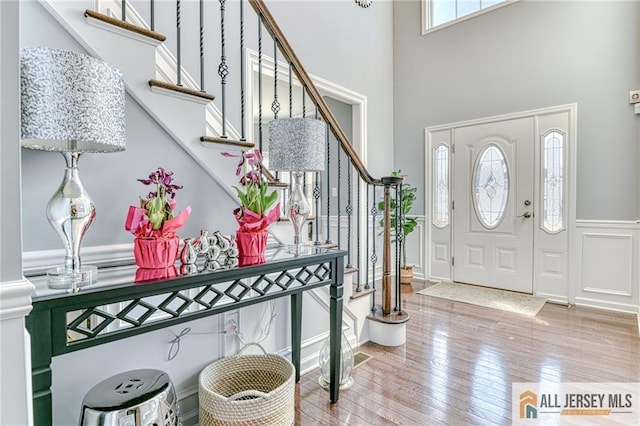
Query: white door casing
x=550, y=259
x=493, y=214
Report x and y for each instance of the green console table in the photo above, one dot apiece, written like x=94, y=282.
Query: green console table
x=126, y=301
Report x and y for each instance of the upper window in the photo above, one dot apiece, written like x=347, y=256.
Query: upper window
x=438, y=14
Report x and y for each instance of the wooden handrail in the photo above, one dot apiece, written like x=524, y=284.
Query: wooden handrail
x=286, y=50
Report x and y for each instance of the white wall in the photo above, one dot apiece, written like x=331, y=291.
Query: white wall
x=352, y=47
x=10, y=241
x=529, y=55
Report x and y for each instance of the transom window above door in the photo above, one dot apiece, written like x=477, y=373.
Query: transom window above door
x=438, y=14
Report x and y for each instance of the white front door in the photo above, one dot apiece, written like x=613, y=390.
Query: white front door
x=493, y=204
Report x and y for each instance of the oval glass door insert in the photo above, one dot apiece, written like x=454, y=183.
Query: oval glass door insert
x=490, y=186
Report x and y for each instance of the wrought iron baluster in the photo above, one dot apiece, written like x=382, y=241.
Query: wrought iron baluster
x=349, y=211
x=152, y=14
x=223, y=70
x=366, y=269
x=242, y=79
x=328, y=169
x=374, y=254
x=358, y=234
x=304, y=101
x=290, y=116
x=338, y=204
x=275, y=105
x=316, y=195
x=260, y=82
x=202, y=45
x=291, y=92
x=124, y=10
x=179, y=53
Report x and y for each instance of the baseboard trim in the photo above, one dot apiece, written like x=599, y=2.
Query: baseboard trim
x=610, y=306
x=554, y=298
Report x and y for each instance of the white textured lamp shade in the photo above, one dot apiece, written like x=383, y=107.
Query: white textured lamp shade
x=297, y=144
x=70, y=102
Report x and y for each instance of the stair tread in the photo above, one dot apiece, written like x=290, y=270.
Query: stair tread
x=392, y=318
x=125, y=25
x=181, y=89
x=227, y=141
x=362, y=293
x=328, y=245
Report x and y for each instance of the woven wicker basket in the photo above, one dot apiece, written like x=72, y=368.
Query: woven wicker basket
x=247, y=390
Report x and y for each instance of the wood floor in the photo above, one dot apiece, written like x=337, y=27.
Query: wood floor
x=460, y=360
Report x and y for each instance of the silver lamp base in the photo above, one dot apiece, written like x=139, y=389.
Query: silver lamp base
x=300, y=249
x=298, y=208
x=61, y=278
x=71, y=212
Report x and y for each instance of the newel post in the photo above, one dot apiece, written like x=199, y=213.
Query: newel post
x=388, y=182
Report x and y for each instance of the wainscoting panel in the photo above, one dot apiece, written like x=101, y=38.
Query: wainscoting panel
x=614, y=251
x=607, y=256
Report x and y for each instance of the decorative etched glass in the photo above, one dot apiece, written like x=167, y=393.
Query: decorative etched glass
x=490, y=186
x=553, y=182
x=441, y=186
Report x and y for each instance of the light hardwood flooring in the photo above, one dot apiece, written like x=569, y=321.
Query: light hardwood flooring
x=460, y=360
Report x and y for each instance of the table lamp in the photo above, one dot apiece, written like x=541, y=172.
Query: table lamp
x=70, y=103
x=297, y=145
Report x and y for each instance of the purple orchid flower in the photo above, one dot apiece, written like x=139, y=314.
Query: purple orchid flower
x=253, y=192
x=161, y=202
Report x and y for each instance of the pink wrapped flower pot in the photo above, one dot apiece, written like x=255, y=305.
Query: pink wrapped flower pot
x=155, y=253
x=154, y=274
x=251, y=246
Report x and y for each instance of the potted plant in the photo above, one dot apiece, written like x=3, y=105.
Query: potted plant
x=257, y=210
x=407, y=224
x=155, y=224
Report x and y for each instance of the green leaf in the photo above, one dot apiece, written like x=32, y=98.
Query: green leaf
x=270, y=200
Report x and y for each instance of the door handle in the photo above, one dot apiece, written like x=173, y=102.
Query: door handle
x=526, y=215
